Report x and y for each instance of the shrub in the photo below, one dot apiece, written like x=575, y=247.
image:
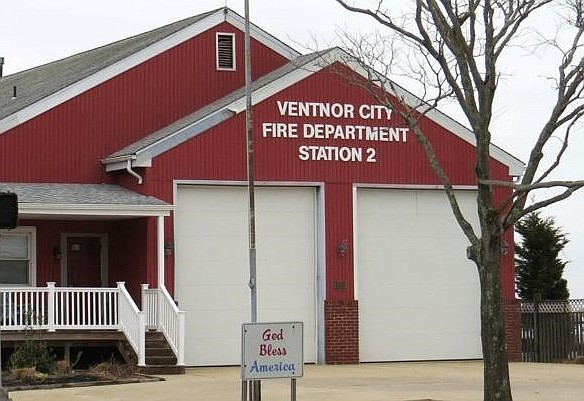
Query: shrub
x=28, y=375
x=112, y=370
x=32, y=354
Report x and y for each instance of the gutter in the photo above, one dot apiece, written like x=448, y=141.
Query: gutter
x=133, y=173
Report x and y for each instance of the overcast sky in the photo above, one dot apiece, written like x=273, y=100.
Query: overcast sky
x=34, y=32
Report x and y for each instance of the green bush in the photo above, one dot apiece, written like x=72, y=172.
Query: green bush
x=32, y=354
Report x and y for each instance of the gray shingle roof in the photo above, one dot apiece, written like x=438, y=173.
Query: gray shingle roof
x=37, y=83
x=78, y=194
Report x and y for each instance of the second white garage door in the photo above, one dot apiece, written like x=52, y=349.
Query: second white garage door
x=418, y=294
x=212, y=266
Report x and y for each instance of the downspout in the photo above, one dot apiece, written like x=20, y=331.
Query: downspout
x=133, y=173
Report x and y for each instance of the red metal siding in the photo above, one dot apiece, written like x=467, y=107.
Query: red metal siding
x=339, y=230
x=220, y=154
x=127, y=245
x=69, y=140
x=128, y=252
x=48, y=243
x=67, y=143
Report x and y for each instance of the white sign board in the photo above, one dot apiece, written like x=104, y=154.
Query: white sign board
x=272, y=350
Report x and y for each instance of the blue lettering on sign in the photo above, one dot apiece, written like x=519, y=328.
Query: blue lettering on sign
x=272, y=367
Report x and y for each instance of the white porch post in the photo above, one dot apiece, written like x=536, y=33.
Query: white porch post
x=160, y=251
x=181, y=338
x=51, y=306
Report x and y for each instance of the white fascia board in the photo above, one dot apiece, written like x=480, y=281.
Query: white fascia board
x=143, y=157
x=516, y=167
x=276, y=86
x=110, y=72
x=121, y=163
x=115, y=166
x=36, y=209
x=262, y=36
x=118, y=163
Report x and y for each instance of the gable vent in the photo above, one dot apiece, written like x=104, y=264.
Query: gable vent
x=226, y=51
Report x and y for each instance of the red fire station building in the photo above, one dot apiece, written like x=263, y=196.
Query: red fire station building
x=130, y=161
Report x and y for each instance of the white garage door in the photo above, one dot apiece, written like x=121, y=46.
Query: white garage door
x=418, y=294
x=212, y=266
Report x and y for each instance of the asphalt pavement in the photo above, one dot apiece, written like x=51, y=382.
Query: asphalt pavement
x=418, y=381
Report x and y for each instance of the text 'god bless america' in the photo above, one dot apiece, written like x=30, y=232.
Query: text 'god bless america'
x=317, y=134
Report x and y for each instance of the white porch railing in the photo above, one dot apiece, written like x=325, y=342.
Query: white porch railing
x=131, y=321
x=59, y=308
x=161, y=313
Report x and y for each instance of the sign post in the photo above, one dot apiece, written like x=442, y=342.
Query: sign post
x=272, y=351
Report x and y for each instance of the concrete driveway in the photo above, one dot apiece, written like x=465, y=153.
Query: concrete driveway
x=422, y=381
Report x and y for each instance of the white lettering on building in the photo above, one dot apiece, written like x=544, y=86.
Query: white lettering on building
x=350, y=130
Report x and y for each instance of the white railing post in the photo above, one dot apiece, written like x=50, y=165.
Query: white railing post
x=160, y=315
x=144, y=296
x=142, y=342
x=51, y=306
x=181, y=338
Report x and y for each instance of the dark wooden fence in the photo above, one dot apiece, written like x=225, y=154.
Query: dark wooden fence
x=552, y=331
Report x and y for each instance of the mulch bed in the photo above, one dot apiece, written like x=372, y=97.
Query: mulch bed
x=76, y=379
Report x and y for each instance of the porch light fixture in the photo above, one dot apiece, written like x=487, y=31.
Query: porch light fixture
x=168, y=248
x=342, y=248
x=57, y=252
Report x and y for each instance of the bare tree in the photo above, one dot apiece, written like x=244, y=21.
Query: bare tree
x=454, y=47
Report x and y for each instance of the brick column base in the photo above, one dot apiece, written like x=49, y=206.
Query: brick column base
x=341, y=332
x=512, y=315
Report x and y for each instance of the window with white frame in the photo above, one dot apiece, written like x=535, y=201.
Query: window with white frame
x=225, y=46
x=17, y=256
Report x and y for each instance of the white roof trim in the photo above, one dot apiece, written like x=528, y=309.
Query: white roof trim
x=137, y=58
x=44, y=209
x=262, y=36
x=516, y=166
x=278, y=85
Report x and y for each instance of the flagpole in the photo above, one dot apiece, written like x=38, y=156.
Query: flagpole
x=255, y=388
x=250, y=169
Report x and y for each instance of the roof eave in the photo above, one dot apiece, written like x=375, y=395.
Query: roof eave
x=100, y=210
x=76, y=88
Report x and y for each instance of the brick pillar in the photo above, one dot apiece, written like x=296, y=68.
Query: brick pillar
x=341, y=332
x=512, y=315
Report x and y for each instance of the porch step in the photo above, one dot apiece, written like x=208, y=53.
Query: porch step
x=160, y=358
x=162, y=370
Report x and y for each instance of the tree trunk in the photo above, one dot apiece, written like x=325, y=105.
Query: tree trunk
x=497, y=386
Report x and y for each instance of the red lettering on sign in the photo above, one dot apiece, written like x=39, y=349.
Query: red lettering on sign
x=269, y=335
x=269, y=350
